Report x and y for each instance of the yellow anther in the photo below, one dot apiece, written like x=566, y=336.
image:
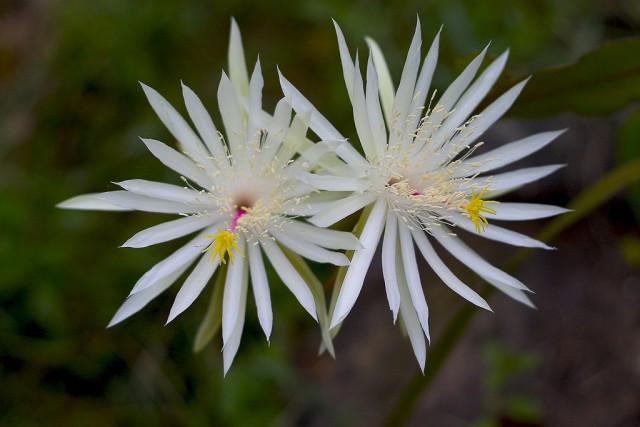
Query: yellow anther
x=477, y=207
x=223, y=241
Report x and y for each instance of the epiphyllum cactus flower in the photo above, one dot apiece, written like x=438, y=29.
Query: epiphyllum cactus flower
x=421, y=182
x=242, y=198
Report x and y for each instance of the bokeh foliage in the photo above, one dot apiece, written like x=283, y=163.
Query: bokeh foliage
x=71, y=115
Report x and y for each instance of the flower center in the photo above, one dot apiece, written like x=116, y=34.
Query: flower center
x=477, y=207
x=225, y=241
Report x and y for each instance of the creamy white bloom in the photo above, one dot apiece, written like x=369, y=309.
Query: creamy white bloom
x=421, y=182
x=241, y=196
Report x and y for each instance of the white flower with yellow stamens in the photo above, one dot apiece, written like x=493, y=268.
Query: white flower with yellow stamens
x=420, y=180
x=242, y=197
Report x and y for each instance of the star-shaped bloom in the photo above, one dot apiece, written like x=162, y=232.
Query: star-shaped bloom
x=419, y=180
x=242, y=197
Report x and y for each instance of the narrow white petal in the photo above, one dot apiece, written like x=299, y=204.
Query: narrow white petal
x=406, y=87
x=178, y=127
x=255, y=101
x=231, y=299
x=525, y=211
x=193, y=286
x=136, y=302
x=185, y=254
x=203, y=122
x=354, y=278
x=509, y=181
x=471, y=259
x=514, y=293
x=260, y=286
x=179, y=163
x=424, y=79
x=489, y=115
x=413, y=276
x=90, y=202
x=310, y=250
x=315, y=203
x=289, y=275
x=507, y=154
x=361, y=115
x=311, y=156
x=385, y=83
x=493, y=232
x=376, y=121
x=325, y=237
x=277, y=130
x=168, y=231
x=320, y=125
x=410, y=318
x=335, y=183
x=237, y=63
x=145, y=203
x=231, y=113
x=230, y=347
x=345, y=57
x=453, y=92
x=341, y=209
x=389, y=250
x=160, y=190
x=444, y=273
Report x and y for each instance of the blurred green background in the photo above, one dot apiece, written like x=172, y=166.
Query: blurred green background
x=71, y=112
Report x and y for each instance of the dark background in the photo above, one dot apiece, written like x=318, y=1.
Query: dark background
x=71, y=112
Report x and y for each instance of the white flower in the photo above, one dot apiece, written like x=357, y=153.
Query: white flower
x=244, y=202
x=420, y=180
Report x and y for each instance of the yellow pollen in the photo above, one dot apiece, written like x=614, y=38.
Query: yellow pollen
x=477, y=207
x=224, y=241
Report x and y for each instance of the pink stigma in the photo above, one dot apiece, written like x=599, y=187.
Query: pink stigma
x=236, y=217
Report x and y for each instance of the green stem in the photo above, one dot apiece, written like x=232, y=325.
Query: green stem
x=583, y=204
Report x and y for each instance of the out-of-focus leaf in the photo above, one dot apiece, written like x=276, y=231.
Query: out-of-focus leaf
x=601, y=82
x=628, y=148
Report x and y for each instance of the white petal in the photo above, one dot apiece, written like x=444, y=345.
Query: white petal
x=237, y=63
x=444, y=273
x=289, y=275
x=514, y=293
x=345, y=57
x=405, y=92
x=354, y=278
x=413, y=276
x=341, y=209
x=389, y=250
x=193, y=286
x=203, y=122
x=525, y=211
x=320, y=125
x=230, y=347
x=410, y=318
x=310, y=250
x=260, y=286
x=231, y=299
x=90, y=202
x=160, y=190
x=509, y=181
x=424, y=80
x=376, y=122
x=168, y=231
x=136, y=302
x=472, y=97
x=508, y=153
x=231, y=113
x=385, y=83
x=361, y=115
x=493, y=232
x=330, y=239
x=335, y=183
x=179, y=163
x=145, y=203
x=255, y=101
x=178, y=127
x=471, y=259
x=185, y=254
